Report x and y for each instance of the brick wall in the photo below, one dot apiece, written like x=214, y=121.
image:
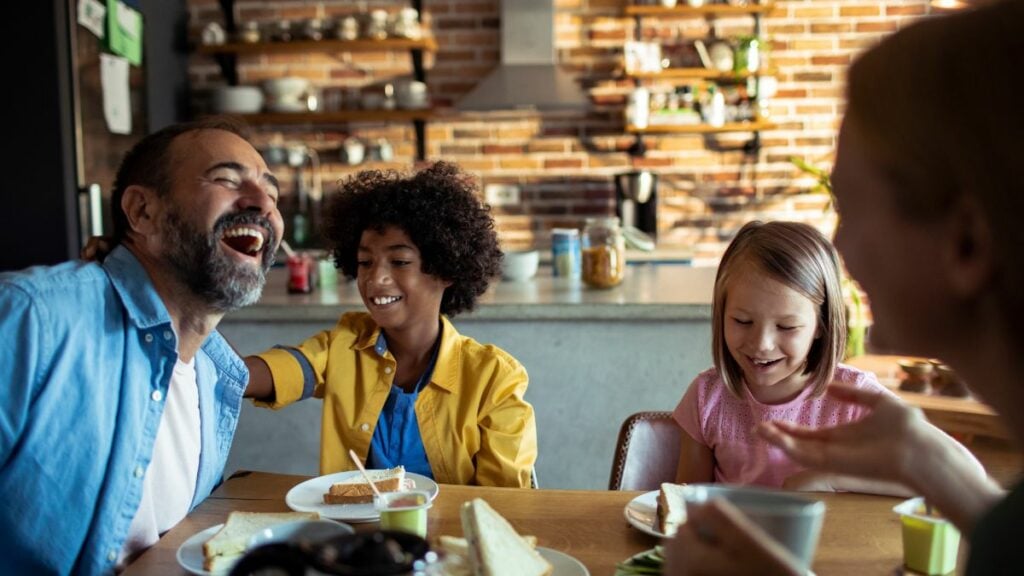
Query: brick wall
x=565, y=163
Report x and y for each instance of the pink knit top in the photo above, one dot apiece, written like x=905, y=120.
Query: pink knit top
x=712, y=416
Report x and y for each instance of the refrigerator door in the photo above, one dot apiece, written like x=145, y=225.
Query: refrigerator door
x=98, y=151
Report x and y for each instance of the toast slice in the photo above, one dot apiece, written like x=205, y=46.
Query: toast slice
x=671, y=508
x=460, y=546
x=495, y=548
x=356, y=490
x=230, y=542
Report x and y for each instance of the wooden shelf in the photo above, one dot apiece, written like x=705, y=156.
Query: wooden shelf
x=396, y=44
x=339, y=117
x=695, y=74
x=706, y=10
x=702, y=128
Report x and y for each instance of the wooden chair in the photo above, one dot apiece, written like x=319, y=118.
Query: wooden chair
x=647, y=452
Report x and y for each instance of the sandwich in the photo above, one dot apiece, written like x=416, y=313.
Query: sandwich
x=226, y=546
x=671, y=508
x=495, y=548
x=356, y=490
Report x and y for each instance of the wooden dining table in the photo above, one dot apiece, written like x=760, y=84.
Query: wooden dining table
x=861, y=534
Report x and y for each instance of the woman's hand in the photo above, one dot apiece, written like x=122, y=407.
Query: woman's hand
x=717, y=538
x=894, y=443
x=884, y=445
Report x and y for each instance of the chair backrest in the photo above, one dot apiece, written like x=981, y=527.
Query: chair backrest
x=647, y=452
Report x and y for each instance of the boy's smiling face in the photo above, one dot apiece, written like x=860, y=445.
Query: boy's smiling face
x=391, y=281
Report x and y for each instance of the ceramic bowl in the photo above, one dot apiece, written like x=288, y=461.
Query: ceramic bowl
x=520, y=265
x=916, y=368
x=236, y=99
x=287, y=88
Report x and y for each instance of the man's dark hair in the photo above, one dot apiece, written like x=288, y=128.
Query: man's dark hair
x=438, y=208
x=148, y=163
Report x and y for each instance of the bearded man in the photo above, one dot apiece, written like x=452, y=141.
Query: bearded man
x=120, y=399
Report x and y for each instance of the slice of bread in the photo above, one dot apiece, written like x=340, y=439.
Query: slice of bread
x=460, y=547
x=495, y=548
x=671, y=508
x=230, y=542
x=356, y=490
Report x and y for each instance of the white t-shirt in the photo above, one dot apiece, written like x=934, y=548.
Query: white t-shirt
x=170, y=482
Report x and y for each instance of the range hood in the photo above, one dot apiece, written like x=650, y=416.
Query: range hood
x=527, y=76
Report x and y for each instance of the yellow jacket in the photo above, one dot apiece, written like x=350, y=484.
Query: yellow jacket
x=476, y=426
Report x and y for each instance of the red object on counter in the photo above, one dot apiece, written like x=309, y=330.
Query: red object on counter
x=300, y=274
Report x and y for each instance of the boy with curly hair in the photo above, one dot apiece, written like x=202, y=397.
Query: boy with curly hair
x=400, y=385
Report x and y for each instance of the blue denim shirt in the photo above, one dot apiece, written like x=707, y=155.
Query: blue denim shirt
x=396, y=439
x=87, y=352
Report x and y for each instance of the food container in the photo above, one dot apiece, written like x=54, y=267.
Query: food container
x=604, y=253
x=930, y=542
x=404, y=511
x=566, y=253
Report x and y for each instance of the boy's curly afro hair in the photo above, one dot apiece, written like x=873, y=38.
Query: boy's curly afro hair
x=438, y=209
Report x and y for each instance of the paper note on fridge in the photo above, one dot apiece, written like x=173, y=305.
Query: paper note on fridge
x=117, y=103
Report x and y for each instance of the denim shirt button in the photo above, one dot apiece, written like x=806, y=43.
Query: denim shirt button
x=148, y=338
x=112, y=555
x=139, y=471
x=157, y=395
x=167, y=334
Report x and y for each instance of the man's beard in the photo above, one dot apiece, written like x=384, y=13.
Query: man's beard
x=201, y=263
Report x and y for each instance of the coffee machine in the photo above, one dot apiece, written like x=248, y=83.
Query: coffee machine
x=636, y=200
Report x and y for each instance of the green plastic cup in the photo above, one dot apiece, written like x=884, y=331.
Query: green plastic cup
x=930, y=543
x=404, y=511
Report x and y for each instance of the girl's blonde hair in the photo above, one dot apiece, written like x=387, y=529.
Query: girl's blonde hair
x=800, y=257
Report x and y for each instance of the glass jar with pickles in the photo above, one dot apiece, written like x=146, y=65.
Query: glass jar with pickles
x=604, y=253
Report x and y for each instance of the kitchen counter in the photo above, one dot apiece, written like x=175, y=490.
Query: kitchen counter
x=649, y=292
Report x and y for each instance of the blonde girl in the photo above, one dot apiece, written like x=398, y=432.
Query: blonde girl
x=778, y=335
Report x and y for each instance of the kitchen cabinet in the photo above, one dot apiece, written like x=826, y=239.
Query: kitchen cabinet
x=227, y=56
x=691, y=76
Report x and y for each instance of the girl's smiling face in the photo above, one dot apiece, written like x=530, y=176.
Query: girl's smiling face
x=769, y=329
x=391, y=281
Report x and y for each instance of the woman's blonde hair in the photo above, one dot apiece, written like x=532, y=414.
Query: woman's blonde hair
x=938, y=108
x=800, y=257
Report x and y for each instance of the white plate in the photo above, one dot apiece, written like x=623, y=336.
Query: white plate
x=562, y=564
x=642, y=513
x=309, y=497
x=190, y=553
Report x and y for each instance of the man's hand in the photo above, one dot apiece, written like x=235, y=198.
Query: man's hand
x=97, y=248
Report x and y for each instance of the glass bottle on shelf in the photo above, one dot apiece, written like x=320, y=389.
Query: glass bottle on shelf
x=604, y=253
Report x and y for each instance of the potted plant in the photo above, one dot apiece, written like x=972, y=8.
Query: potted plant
x=857, y=314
